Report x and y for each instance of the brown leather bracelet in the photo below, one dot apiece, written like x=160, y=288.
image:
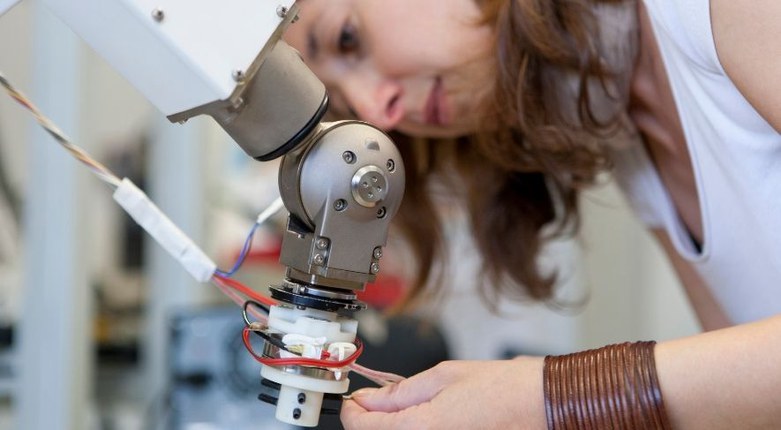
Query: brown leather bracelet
x=614, y=387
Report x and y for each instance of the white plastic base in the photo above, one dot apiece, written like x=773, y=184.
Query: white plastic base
x=299, y=407
x=308, y=322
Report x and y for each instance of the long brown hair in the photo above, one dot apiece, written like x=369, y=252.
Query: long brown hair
x=539, y=143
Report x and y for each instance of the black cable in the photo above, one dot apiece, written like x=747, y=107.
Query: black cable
x=265, y=336
x=257, y=305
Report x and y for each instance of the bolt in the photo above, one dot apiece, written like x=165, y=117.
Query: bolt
x=318, y=259
x=281, y=11
x=348, y=157
x=301, y=398
x=381, y=212
x=321, y=243
x=375, y=268
x=391, y=165
x=377, y=253
x=340, y=205
x=296, y=413
x=238, y=75
x=158, y=14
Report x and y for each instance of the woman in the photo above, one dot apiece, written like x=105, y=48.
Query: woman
x=681, y=98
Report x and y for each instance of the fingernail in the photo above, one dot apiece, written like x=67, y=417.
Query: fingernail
x=362, y=392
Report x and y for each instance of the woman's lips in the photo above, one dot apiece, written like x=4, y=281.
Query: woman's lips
x=434, y=112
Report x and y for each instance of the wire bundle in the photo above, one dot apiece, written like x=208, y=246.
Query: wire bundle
x=96, y=167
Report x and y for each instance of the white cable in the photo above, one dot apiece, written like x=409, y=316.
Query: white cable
x=164, y=231
x=273, y=208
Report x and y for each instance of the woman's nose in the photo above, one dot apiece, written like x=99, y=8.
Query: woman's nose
x=378, y=102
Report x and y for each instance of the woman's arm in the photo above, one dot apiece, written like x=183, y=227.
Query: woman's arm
x=748, y=41
x=725, y=379
x=722, y=380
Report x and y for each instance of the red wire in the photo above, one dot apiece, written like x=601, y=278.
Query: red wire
x=247, y=291
x=302, y=361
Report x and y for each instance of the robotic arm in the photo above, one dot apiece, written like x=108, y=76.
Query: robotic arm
x=341, y=182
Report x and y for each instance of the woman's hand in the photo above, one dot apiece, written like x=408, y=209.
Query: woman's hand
x=455, y=395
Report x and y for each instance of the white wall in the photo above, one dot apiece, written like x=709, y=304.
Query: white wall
x=634, y=292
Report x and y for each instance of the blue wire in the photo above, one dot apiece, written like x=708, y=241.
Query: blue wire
x=243, y=255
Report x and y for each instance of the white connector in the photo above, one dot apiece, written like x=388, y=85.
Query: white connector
x=164, y=231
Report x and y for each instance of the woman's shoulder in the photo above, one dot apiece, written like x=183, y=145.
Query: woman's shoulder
x=748, y=38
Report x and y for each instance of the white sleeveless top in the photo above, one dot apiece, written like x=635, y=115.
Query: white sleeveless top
x=736, y=157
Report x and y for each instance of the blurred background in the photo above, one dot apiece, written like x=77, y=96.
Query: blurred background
x=101, y=329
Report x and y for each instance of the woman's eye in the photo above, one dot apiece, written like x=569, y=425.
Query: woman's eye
x=348, y=39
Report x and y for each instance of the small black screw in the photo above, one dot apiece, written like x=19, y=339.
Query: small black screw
x=391, y=165
x=348, y=157
x=301, y=398
x=340, y=205
x=296, y=413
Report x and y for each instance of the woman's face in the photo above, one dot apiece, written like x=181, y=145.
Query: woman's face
x=415, y=66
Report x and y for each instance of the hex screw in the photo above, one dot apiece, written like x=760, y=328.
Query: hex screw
x=281, y=11
x=318, y=259
x=375, y=268
x=238, y=75
x=301, y=398
x=391, y=165
x=158, y=15
x=382, y=212
x=377, y=253
x=340, y=205
x=296, y=413
x=321, y=243
x=348, y=157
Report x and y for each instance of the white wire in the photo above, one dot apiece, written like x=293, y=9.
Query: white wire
x=273, y=208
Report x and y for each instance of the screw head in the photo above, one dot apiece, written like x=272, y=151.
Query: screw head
x=321, y=243
x=391, y=166
x=296, y=413
x=238, y=75
x=375, y=268
x=377, y=253
x=301, y=398
x=318, y=259
x=281, y=11
x=382, y=212
x=158, y=15
x=348, y=157
x=340, y=205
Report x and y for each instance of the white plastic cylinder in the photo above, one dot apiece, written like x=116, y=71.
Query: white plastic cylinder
x=299, y=407
x=315, y=324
